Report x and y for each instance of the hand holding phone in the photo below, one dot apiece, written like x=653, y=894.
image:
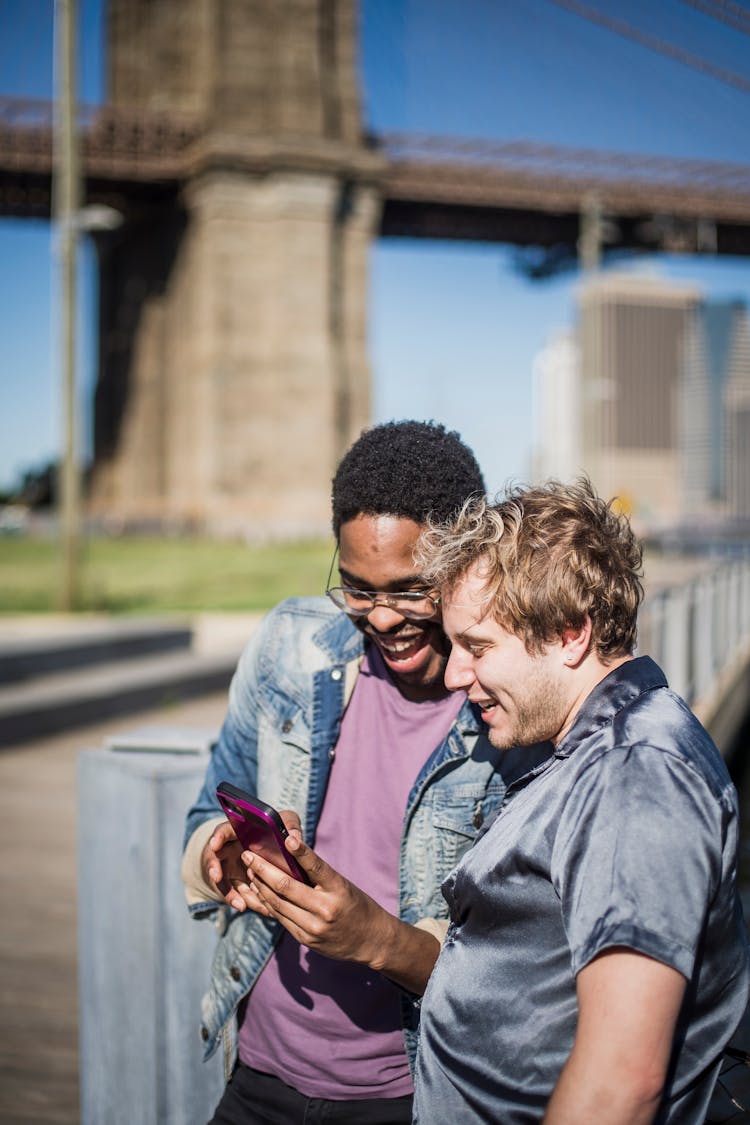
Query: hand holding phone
x=259, y=828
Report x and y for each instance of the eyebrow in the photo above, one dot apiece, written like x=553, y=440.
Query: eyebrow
x=400, y=584
x=467, y=637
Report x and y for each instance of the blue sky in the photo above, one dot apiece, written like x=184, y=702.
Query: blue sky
x=454, y=328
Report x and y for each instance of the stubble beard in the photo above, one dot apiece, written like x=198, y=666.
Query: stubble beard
x=538, y=715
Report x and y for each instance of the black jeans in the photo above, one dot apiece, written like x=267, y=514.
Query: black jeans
x=254, y=1098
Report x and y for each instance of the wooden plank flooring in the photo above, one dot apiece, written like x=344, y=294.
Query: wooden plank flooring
x=38, y=939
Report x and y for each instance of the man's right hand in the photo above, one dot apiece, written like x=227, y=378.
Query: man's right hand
x=221, y=864
x=334, y=917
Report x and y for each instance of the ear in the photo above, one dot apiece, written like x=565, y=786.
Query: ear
x=575, y=643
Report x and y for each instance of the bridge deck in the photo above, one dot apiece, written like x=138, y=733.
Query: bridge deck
x=436, y=187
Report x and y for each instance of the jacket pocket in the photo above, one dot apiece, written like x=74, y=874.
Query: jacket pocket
x=462, y=812
x=284, y=722
x=457, y=817
x=284, y=744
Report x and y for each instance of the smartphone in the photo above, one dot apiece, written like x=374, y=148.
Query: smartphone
x=259, y=828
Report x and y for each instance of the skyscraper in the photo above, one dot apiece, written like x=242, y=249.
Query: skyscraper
x=634, y=336
x=556, y=374
x=736, y=427
x=714, y=410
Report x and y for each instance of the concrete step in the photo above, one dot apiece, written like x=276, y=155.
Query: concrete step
x=62, y=700
x=26, y=653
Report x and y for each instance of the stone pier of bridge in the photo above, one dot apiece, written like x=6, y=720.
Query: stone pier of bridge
x=233, y=368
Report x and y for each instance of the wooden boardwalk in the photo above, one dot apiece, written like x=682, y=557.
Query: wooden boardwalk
x=38, y=937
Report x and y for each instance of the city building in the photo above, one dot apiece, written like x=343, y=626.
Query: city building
x=651, y=398
x=633, y=333
x=736, y=428
x=557, y=410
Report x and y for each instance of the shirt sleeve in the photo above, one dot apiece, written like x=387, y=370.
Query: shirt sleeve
x=637, y=857
x=438, y=927
x=197, y=890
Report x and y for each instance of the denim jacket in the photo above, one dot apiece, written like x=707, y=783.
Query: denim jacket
x=286, y=703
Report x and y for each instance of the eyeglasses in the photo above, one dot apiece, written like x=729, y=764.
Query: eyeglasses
x=358, y=603
x=416, y=605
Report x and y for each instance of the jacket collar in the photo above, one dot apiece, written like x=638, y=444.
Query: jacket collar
x=339, y=639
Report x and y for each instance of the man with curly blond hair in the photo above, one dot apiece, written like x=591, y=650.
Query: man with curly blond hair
x=596, y=963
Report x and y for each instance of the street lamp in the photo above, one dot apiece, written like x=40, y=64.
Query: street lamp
x=66, y=198
x=71, y=219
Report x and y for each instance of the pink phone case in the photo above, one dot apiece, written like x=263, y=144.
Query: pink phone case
x=259, y=828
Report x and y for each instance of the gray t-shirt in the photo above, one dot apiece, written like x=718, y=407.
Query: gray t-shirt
x=627, y=836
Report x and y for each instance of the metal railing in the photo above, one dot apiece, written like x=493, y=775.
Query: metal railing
x=115, y=141
x=698, y=629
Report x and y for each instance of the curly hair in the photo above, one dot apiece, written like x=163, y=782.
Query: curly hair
x=414, y=470
x=549, y=556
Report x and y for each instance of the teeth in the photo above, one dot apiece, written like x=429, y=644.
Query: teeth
x=400, y=646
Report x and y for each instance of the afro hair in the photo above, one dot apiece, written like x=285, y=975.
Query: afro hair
x=411, y=470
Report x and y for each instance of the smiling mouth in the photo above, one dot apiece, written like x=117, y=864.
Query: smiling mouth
x=402, y=649
x=486, y=706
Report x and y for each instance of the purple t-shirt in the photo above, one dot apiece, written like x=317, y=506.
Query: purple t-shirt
x=329, y=1028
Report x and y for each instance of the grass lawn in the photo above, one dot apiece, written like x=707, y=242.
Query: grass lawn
x=153, y=575
x=150, y=575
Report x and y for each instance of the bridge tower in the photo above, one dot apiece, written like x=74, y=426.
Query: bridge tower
x=233, y=366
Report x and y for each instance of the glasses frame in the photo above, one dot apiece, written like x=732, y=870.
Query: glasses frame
x=380, y=597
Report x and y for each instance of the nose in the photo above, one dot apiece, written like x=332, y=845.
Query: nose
x=383, y=619
x=459, y=671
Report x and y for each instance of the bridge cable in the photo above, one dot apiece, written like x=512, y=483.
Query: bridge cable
x=627, y=31
x=731, y=14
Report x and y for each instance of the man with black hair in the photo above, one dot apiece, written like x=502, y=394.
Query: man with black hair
x=338, y=711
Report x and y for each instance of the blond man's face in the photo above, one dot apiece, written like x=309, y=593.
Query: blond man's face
x=523, y=697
